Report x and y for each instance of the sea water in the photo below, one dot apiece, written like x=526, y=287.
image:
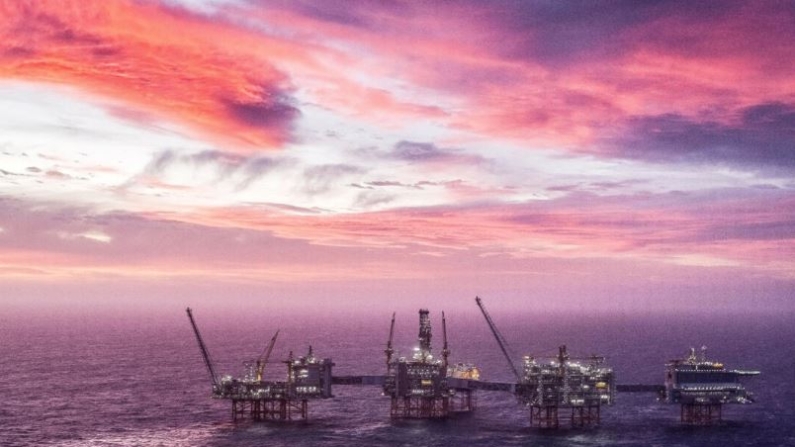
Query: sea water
x=116, y=378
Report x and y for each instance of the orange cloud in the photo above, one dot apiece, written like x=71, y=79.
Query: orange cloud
x=156, y=61
x=461, y=65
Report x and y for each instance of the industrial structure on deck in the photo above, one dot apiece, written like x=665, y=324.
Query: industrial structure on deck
x=702, y=387
x=423, y=386
x=559, y=389
x=308, y=377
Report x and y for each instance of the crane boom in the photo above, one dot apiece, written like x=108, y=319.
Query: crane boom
x=500, y=339
x=389, y=351
x=263, y=359
x=445, y=349
x=205, y=353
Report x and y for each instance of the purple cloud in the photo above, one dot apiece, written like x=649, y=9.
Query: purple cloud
x=272, y=110
x=762, y=137
x=248, y=169
x=418, y=152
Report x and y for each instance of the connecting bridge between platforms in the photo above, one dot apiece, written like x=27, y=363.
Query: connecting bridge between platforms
x=558, y=390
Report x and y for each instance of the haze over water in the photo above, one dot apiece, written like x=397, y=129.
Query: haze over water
x=137, y=378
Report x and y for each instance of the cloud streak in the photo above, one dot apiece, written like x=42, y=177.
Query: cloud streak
x=220, y=166
x=735, y=231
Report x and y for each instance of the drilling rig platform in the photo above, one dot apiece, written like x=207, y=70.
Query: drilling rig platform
x=424, y=387
x=308, y=377
x=559, y=390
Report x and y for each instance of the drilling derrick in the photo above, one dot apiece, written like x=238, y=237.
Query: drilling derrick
x=419, y=386
x=702, y=386
x=424, y=338
x=557, y=388
x=308, y=378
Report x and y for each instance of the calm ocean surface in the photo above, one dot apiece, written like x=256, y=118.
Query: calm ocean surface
x=137, y=378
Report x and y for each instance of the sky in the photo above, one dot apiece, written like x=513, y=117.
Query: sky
x=328, y=156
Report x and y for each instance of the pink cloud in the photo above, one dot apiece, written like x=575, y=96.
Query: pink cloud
x=587, y=252
x=669, y=228
x=640, y=78
x=548, y=75
x=64, y=243
x=165, y=63
x=530, y=73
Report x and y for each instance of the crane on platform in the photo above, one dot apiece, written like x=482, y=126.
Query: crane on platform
x=205, y=353
x=263, y=358
x=389, y=350
x=500, y=339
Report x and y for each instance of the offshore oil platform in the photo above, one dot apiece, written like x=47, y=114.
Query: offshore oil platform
x=424, y=387
x=559, y=389
x=308, y=377
x=702, y=386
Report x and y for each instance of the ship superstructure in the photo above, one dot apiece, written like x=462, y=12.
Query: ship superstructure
x=702, y=386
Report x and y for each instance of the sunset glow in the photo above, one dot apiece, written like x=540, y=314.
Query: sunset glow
x=611, y=154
